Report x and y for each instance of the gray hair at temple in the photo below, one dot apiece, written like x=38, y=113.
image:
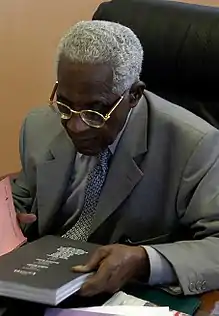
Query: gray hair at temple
x=108, y=43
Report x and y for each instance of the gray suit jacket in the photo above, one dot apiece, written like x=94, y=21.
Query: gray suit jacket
x=162, y=188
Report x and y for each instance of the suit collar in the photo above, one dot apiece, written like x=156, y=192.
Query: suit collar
x=113, y=147
x=125, y=171
x=135, y=137
x=52, y=177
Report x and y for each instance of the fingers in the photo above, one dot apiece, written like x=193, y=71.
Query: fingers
x=106, y=279
x=94, y=261
x=96, y=283
x=25, y=218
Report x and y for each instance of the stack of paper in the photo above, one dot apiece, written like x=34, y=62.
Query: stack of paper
x=129, y=310
x=121, y=298
x=111, y=310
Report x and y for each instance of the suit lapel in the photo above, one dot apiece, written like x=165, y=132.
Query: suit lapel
x=124, y=173
x=52, y=177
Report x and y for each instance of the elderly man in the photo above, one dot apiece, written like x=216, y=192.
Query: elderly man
x=114, y=164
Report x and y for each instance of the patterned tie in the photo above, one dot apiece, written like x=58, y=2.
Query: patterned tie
x=95, y=181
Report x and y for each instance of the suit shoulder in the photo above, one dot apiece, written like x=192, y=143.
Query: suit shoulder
x=41, y=120
x=41, y=115
x=40, y=127
x=179, y=116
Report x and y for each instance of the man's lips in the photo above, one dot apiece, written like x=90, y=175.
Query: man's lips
x=79, y=139
x=83, y=140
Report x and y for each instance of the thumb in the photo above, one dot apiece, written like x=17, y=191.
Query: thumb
x=94, y=261
x=25, y=218
x=81, y=269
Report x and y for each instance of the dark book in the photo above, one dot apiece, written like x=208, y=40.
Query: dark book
x=41, y=271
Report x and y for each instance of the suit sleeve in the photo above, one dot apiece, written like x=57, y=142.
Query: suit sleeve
x=196, y=261
x=20, y=188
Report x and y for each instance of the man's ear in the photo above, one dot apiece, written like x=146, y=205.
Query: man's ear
x=135, y=93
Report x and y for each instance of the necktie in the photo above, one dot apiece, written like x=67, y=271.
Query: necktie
x=95, y=181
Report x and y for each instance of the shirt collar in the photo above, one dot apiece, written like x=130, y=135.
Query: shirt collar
x=113, y=146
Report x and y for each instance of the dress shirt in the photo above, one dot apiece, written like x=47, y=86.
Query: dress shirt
x=161, y=270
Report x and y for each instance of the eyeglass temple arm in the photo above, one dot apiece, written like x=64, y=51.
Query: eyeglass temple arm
x=53, y=92
x=115, y=106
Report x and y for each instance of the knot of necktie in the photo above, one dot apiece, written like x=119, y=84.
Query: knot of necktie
x=104, y=157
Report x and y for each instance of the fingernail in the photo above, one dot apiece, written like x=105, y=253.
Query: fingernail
x=27, y=218
x=31, y=219
x=79, y=268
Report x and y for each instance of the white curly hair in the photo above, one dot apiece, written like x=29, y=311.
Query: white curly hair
x=108, y=43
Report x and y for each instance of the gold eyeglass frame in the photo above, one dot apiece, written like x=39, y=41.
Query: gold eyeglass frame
x=105, y=118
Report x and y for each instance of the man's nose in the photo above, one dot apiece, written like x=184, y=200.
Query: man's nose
x=76, y=125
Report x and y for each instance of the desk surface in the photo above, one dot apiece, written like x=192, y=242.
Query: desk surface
x=208, y=301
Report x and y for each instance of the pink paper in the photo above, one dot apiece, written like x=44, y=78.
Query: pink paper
x=11, y=235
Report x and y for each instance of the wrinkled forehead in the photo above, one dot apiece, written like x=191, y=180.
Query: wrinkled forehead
x=77, y=79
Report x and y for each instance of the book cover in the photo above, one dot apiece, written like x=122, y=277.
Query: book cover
x=41, y=271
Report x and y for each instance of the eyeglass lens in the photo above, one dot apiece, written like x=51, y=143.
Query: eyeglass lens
x=63, y=110
x=92, y=118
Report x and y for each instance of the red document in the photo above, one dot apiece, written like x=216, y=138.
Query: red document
x=11, y=235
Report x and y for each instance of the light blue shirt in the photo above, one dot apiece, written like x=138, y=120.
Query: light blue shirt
x=161, y=270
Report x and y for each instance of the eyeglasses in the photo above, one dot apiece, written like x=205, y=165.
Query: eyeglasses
x=89, y=117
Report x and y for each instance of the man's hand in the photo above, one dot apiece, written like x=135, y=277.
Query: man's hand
x=114, y=266
x=24, y=218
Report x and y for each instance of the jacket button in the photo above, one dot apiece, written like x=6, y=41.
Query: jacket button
x=192, y=287
x=204, y=286
x=198, y=286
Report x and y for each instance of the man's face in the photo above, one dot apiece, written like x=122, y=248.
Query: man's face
x=89, y=87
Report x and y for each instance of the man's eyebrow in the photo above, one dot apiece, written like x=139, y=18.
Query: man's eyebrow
x=63, y=99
